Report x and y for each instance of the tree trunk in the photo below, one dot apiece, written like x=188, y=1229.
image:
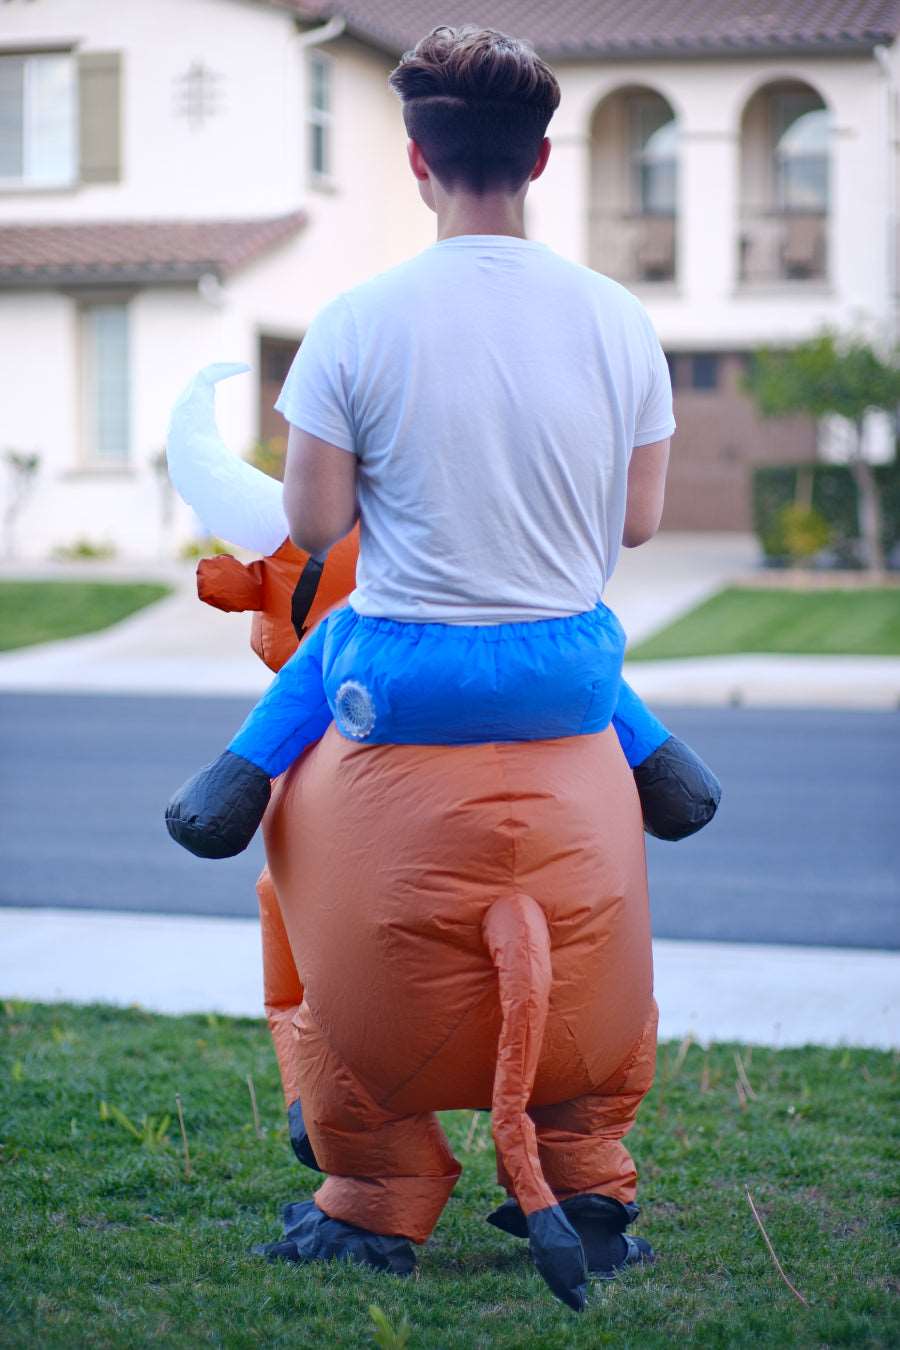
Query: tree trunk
x=869, y=507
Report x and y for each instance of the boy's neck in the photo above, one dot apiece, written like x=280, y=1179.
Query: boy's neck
x=494, y=213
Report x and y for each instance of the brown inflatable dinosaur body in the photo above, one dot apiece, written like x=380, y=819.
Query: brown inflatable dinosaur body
x=451, y=927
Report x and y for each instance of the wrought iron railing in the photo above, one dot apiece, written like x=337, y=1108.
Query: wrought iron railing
x=633, y=248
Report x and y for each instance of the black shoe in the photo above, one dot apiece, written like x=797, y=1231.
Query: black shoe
x=679, y=793
x=600, y=1223
x=310, y=1235
x=216, y=813
x=300, y=1141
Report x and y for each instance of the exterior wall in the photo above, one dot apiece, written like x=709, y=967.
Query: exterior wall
x=242, y=160
x=706, y=308
x=121, y=505
x=249, y=157
x=720, y=439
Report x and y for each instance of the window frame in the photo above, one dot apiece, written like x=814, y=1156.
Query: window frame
x=28, y=58
x=89, y=458
x=780, y=163
x=638, y=104
x=320, y=119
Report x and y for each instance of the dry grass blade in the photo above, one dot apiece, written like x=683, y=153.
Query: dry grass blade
x=470, y=1134
x=252, y=1090
x=187, y=1152
x=741, y=1094
x=681, y=1056
x=704, y=1077
x=742, y=1074
x=778, y=1266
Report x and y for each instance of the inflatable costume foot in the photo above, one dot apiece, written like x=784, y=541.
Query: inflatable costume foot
x=216, y=813
x=557, y=1252
x=310, y=1235
x=600, y=1222
x=679, y=793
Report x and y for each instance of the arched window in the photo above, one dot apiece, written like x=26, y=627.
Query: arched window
x=634, y=186
x=785, y=139
x=801, y=129
x=654, y=155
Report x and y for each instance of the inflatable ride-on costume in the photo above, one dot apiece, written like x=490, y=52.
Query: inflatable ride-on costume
x=444, y=926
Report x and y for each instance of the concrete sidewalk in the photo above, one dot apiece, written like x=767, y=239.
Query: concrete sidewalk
x=180, y=646
x=715, y=991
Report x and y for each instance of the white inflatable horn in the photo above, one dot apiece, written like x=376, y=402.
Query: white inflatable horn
x=233, y=500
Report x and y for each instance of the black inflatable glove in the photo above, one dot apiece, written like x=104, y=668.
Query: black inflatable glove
x=679, y=793
x=216, y=813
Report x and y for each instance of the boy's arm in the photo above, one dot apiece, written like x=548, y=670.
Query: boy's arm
x=646, y=492
x=319, y=492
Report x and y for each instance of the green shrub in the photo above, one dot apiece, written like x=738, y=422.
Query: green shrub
x=798, y=532
x=829, y=492
x=209, y=547
x=84, y=549
x=269, y=456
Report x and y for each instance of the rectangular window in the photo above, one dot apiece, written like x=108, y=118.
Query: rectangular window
x=38, y=120
x=319, y=116
x=704, y=370
x=105, y=384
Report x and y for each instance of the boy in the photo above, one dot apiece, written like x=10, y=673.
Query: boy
x=499, y=419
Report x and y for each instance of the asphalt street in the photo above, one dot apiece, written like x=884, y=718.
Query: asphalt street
x=805, y=849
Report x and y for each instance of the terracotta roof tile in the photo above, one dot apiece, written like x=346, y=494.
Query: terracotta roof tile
x=618, y=28
x=144, y=251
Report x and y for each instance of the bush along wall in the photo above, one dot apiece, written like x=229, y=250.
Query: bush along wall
x=827, y=496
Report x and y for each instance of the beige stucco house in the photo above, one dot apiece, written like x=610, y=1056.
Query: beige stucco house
x=183, y=181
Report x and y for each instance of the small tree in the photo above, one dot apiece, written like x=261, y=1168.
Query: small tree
x=23, y=469
x=831, y=376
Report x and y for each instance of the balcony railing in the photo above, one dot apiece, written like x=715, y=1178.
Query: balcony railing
x=783, y=246
x=633, y=248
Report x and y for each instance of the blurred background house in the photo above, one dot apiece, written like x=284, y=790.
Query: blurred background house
x=183, y=181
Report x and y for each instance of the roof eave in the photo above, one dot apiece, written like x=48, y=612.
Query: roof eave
x=88, y=277
x=741, y=49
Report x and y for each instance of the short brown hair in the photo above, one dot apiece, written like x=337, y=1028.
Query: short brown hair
x=478, y=103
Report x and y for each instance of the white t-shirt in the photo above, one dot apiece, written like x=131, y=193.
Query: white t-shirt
x=492, y=392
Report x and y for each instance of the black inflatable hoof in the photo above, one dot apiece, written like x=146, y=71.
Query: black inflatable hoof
x=600, y=1223
x=299, y=1138
x=310, y=1235
x=558, y=1254
x=679, y=793
x=216, y=813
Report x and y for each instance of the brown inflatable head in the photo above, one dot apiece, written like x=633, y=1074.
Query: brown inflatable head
x=267, y=587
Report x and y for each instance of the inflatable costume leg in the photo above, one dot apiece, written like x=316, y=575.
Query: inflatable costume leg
x=388, y=1175
x=588, y=1167
x=283, y=993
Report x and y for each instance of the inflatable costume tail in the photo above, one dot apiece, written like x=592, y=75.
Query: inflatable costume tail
x=518, y=939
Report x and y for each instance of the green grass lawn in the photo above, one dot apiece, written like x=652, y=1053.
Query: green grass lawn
x=42, y=611
x=820, y=623
x=106, y=1243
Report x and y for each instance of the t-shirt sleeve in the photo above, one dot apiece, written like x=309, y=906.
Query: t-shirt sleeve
x=317, y=393
x=655, y=421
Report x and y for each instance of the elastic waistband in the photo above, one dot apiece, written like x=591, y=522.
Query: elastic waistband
x=535, y=629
